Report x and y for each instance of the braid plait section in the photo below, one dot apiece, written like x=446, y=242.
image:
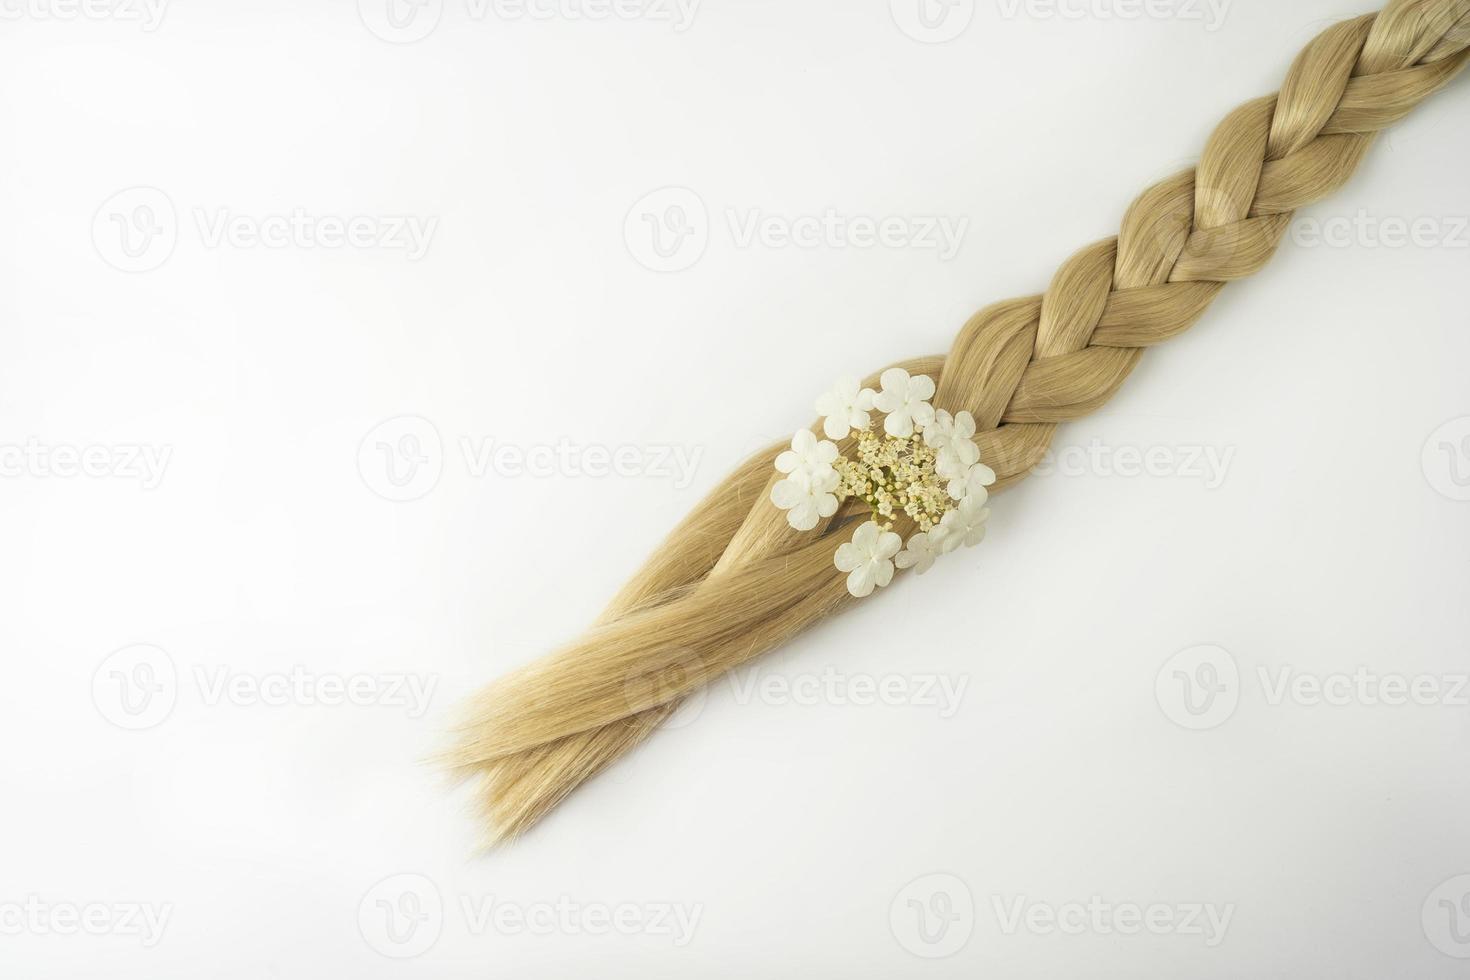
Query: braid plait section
x=733, y=580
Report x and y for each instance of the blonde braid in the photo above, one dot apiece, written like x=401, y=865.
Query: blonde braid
x=733, y=580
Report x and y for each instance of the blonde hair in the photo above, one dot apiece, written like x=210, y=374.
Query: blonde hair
x=734, y=580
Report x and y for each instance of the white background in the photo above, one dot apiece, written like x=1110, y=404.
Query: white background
x=798, y=829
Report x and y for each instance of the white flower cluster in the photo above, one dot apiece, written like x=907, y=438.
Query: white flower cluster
x=926, y=466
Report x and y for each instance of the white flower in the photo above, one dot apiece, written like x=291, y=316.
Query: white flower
x=807, y=457
x=919, y=555
x=953, y=437
x=905, y=401
x=972, y=483
x=868, y=559
x=965, y=525
x=845, y=408
x=806, y=498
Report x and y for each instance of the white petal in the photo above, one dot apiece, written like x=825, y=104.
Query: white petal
x=883, y=572
x=787, y=461
x=899, y=424
x=906, y=559
x=921, y=412
x=802, y=517
x=835, y=426
x=786, y=494
x=895, y=380
x=864, y=400
x=804, y=442
x=826, y=505
x=825, y=452
x=847, y=558
x=865, y=538
x=922, y=388
x=888, y=545
x=982, y=474
x=860, y=583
